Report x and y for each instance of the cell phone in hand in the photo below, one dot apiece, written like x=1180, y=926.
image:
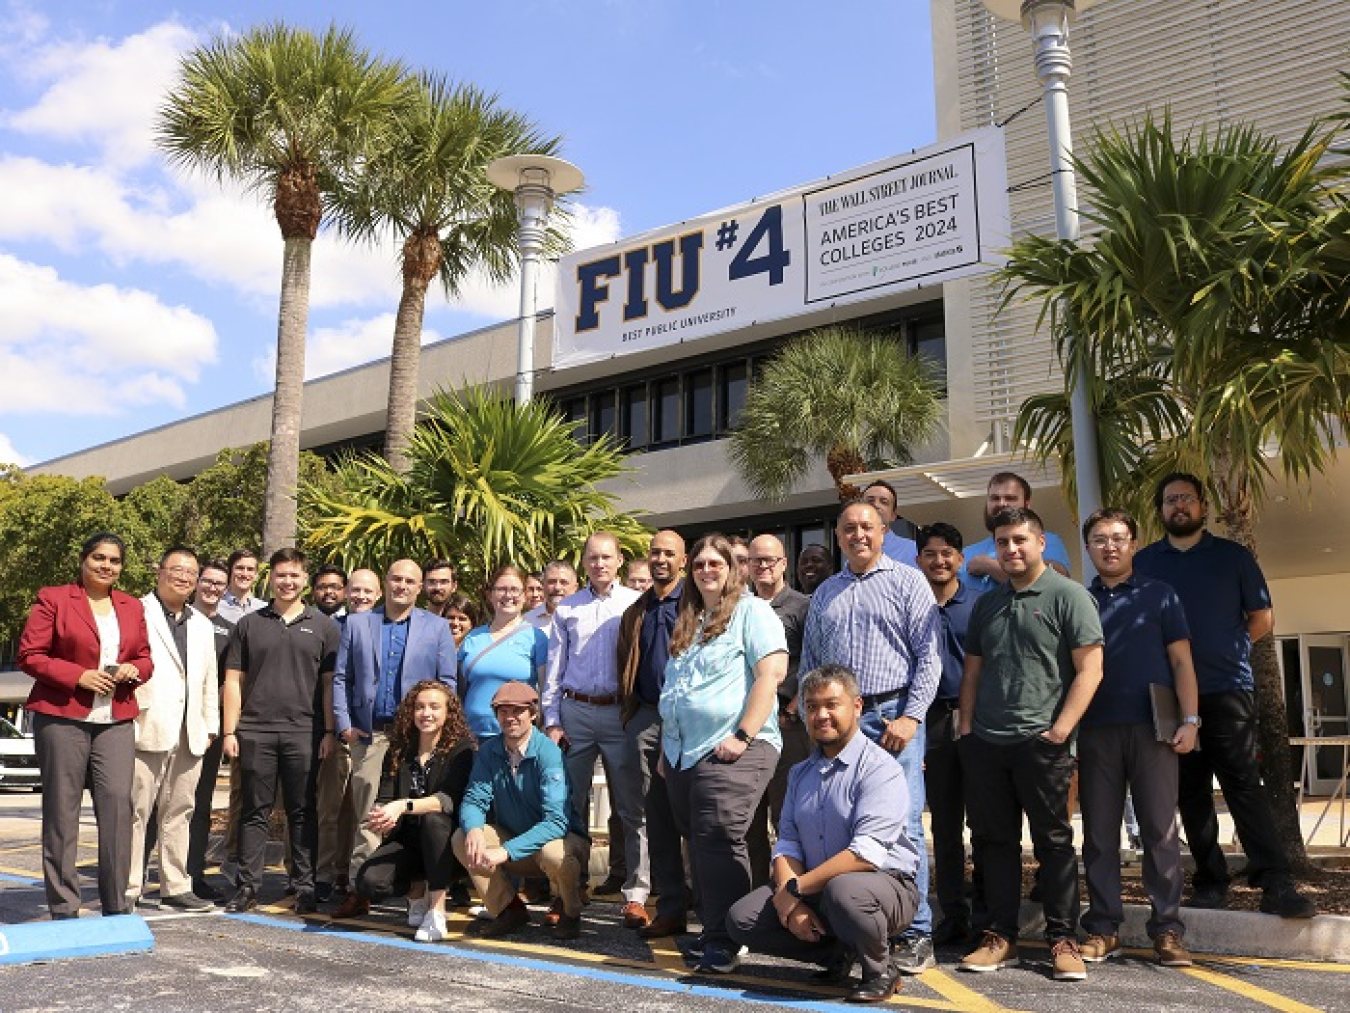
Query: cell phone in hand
x=111, y=669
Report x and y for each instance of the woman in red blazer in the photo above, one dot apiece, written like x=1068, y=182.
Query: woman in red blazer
x=86, y=647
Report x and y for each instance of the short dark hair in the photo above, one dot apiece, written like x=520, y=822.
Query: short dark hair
x=237, y=555
x=213, y=564
x=558, y=564
x=1177, y=476
x=438, y=564
x=940, y=529
x=1004, y=477
x=826, y=674
x=290, y=554
x=179, y=550
x=95, y=540
x=881, y=483
x=328, y=568
x=1016, y=516
x=1108, y=515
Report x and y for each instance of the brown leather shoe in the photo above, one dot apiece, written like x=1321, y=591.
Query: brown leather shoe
x=554, y=914
x=352, y=906
x=635, y=916
x=662, y=926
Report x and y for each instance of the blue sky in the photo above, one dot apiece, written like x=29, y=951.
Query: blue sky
x=132, y=295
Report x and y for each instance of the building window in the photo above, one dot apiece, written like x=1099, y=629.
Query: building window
x=734, y=385
x=635, y=431
x=604, y=415
x=929, y=342
x=666, y=411
x=698, y=404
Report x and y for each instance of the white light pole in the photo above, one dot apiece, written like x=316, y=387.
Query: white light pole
x=535, y=180
x=1048, y=21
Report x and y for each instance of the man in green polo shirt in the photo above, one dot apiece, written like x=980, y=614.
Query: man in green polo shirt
x=1033, y=662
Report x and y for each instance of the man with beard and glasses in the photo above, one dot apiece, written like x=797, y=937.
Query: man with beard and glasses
x=438, y=585
x=330, y=590
x=1006, y=491
x=1228, y=608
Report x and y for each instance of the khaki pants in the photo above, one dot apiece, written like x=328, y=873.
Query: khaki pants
x=560, y=860
x=337, y=817
x=367, y=768
x=170, y=780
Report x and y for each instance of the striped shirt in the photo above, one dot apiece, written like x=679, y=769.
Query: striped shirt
x=884, y=625
x=583, y=649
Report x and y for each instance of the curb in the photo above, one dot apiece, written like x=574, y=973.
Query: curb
x=71, y=938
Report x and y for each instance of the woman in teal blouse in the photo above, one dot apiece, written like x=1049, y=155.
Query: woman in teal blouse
x=506, y=649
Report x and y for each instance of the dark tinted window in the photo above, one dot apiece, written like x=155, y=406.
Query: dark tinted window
x=735, y=382
x=635, y=416
x=604, y=414
x=666, y=410
x=698, y=403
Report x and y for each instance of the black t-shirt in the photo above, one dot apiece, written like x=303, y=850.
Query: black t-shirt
x=284, y=665
x=223, y=628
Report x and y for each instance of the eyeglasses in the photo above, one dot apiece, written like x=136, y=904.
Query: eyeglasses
x=182, y=571
x=1102, y=541
x=1180, y=499
x=509, y=592
x=761, y=562
x=212, y=585
x=709, y=564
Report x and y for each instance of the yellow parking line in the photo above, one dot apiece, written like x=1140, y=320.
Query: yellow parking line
x=958, y=995
x=1249, y=991
x=1279, y=962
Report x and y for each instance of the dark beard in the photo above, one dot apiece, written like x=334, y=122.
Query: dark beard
x=1182, y=529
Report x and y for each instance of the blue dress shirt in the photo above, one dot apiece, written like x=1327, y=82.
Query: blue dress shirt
x=393, y=642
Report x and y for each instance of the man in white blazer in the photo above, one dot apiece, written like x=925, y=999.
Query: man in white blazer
x=179, y=718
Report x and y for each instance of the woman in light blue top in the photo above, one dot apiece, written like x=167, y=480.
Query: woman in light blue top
x=506, y=649
x=720, y=739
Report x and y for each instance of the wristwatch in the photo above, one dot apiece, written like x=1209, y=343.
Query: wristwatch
x=1191, y=719
x=744, y=736
x=407, y=805
x=792, y=888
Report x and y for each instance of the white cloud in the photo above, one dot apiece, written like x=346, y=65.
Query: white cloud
x=103, y=93
x=93, y=349
x=8, y=455
x=333, y=349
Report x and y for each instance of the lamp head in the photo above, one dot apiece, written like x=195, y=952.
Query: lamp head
x=514, y=171
x=1022, y=10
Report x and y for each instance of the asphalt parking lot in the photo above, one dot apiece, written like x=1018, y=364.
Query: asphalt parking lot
x=274, y=960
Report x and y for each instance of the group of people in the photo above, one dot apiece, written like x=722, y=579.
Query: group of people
x=417, y=749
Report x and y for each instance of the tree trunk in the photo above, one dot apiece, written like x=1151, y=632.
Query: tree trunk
x=844, y=460
x=283, y=454
x=421, y=262
x=1272, y=720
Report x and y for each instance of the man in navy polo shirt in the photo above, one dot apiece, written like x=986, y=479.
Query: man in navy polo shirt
x=1147, y=644
x=1228, y=608
x=940, y=559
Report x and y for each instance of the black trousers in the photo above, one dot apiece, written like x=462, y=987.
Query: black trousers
x=199, y=831
x=797, y=746
x=664, y=854
x=419, y=848
x=1228, y=752
x=1003, y=782
x=266, y=760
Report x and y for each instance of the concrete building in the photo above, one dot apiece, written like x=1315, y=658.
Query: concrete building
x=1274, y=63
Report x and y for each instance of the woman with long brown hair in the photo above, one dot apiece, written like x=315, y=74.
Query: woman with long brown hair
x=430, y=757
x=86, y=647
x=720, y=738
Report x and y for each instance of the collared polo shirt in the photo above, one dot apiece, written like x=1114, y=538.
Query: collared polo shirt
x=954, y=620
x=1219, y=583
x=658, y=619
x=234, y=609
x=857, y=800
x=1025, y=640
x=283, y=665
x=791, y=607
x=1140, y=618
x=1055, y=552
x=901, y=549
x=882, y=624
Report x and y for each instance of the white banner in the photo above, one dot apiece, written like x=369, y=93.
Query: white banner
x=919, y=219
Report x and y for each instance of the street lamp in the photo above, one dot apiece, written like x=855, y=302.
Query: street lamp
x=1048, y=21
x=535, y=180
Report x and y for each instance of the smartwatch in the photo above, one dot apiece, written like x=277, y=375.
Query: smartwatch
x=407, y=805
x=744, y=736
x=792, y=888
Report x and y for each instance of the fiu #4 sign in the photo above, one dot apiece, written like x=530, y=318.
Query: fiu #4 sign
x=902, y=223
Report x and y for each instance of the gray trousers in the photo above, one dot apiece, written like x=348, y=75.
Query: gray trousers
x=862, y=911
x=663, y=836
x=367, y=767
x=68, y=753
x=1110, y=758
x=594, y=731
x=713, y=803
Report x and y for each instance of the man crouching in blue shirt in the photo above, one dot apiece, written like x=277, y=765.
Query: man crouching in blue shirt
x=519, y=777
x=843, y=869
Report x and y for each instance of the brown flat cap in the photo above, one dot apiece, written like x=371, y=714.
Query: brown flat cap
x=515, y=693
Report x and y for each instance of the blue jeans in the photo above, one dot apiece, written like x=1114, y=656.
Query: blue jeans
x=874, y=721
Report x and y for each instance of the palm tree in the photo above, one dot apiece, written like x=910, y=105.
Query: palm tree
x=281, y=110
x=428, y=185
x=488, y=482
x=1210, y=305
x=858, y=398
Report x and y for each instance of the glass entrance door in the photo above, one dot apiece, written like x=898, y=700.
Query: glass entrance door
x=1326, y=707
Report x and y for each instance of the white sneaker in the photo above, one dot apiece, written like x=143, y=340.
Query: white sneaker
x=433, y=928
x=417, y=912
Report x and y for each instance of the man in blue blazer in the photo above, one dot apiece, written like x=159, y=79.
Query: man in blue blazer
x=384, y=653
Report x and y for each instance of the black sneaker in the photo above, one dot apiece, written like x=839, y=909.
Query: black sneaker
x=1212, y=897
x=305, y=903
x=245, y=900
x=913, y=954
x=717, y=960
x=1283, y=899
x=692, y=950
x=323, y=892
x=206, y=891
x=186, y=902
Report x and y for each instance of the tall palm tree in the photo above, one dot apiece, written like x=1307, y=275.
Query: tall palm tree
x=858, y=398
x=428, y=185
x=488, y=482
x=281, y=110
x=1210, y=303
